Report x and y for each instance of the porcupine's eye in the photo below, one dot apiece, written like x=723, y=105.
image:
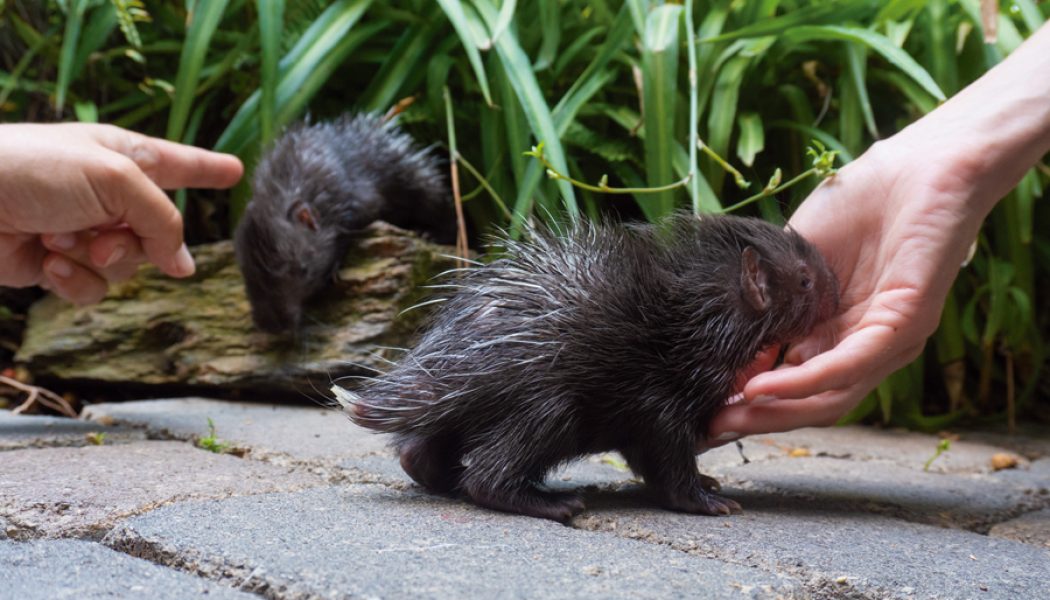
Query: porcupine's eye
x=805, y=280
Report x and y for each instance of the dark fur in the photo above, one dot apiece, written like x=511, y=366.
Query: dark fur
x=317, y=185
x=610, y=338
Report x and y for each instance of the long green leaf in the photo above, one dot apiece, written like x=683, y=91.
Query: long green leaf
x=271, y=24
x=856, y=63
x=518, y=69
x=752, y=137
x=408, y=56
x=874, y=41
x=68, y=53
x=722, y=116
x=304, y=69
x=454, y=11
x=205, y=19
x=835, y=11
x=659, y=87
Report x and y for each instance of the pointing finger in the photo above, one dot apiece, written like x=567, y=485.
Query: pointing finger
x=171, y=165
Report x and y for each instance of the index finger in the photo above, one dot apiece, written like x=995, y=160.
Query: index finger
x=171, y=165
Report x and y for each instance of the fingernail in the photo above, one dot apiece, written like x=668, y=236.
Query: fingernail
x=736, y=398
x=764, y=399
x=63, y=241
x=184, y=266
x=60, y=267
x=727, y=436
x=118, y=253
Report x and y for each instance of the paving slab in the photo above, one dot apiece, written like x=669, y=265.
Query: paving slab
x=839, y=553
x=371, y=541
x=39, y=431
x=1030, y=528
x=83, y=491
x=56, y=569
x=968, y=501
x=298, y=432
x=904, y=448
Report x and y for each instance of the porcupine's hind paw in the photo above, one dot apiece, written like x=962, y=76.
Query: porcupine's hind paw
x=432, y=462
x=531, y=501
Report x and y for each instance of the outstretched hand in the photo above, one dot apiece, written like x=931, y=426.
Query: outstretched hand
x=82, y=206
x=895, y=237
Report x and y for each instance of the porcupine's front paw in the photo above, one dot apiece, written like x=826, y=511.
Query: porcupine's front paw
x=700, y=501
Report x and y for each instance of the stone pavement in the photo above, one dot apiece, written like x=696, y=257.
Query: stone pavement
x=305, y=505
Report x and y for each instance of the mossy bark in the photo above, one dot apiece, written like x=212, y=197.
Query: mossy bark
x=155, y=330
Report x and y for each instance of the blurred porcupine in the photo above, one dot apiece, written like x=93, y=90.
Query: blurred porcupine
x=317, y=185
x=611, y=337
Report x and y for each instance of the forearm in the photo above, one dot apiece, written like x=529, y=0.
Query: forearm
x=999, y=126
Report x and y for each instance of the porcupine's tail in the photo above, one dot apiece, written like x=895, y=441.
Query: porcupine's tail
x=377, y=413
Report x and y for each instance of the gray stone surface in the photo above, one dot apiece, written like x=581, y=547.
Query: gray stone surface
x=57, y=569
x=1031, y=528
x=369, y=541
x=299, y=432
x=949, y=500
x=83, y=491
x=907, y=449
x=842, y=553
x=21, y=431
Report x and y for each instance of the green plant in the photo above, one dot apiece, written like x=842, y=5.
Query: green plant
x=211, y=443
x=942, y=447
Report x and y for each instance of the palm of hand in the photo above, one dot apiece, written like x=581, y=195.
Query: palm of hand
x=896, y=258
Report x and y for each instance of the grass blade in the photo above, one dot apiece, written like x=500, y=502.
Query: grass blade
x=454, y=12
x=874, y=41
x=407, y=57
x=752, y=137
x=856, y=58
x=305, y=67
x=271, y=24
x=722, y=115
x=659, y=92
x=518, y=70
x=205, y=19
x=68, y=53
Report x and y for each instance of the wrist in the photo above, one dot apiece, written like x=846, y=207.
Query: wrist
x=995, y=129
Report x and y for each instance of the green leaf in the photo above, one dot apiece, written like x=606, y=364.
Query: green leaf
x=874, y=41
x=722, y=116
x=835, y=11
x=856, y=58
x=752, y=137
x=271, y=24
x=408, y=56
x=86, y=111
x=518, y=70
x=68, y=52
x=659, y=87
x=206, y=17
x=303, y=70
x=454, y=12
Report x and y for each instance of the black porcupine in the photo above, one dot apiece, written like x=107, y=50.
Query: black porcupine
x=612, y=337
x=313, y=189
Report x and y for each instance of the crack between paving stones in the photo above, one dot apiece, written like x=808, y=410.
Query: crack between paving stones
x=814, y=584
x=243, y=578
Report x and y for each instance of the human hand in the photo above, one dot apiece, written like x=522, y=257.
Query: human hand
x=82, y=205
x=895, y=237
x=895, y=225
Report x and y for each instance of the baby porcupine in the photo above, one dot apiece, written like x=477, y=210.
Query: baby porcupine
x=317, y=186
x=611, y=337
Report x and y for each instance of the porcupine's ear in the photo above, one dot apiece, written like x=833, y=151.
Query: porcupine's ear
x=301, y=213
x=753, y=280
